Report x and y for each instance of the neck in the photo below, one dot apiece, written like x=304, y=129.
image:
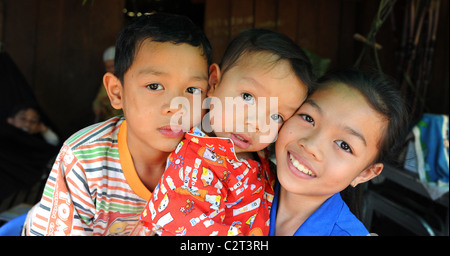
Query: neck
x=149, y=163
x=293, y=210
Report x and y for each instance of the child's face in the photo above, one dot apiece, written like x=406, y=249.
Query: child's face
x=329, y=143
x=159, y=73
x=252, y=125
x=27, y=120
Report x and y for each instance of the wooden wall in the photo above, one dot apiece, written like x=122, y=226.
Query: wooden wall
x=58, y=45
x=326, y=27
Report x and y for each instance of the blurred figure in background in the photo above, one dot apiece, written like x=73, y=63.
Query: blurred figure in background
x=101, y=105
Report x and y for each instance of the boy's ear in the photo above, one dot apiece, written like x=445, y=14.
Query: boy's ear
x=114, y=89
x=214, y=78
x=368, y=174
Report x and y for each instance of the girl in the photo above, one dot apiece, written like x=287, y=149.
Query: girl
x=340, y=136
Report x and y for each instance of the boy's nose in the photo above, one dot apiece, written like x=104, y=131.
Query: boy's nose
x=176, y=105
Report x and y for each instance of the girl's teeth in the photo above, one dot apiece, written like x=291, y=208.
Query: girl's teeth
x=300, y=167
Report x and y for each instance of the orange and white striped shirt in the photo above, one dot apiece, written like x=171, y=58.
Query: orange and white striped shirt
x=93, y=188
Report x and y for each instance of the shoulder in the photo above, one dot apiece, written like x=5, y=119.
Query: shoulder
x=103, y=131
x=348, y=225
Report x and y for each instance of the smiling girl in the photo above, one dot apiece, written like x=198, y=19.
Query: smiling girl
x=339, y=137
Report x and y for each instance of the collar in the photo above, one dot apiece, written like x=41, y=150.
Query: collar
x=222, y=146
x=320, y=223
x=128, y=169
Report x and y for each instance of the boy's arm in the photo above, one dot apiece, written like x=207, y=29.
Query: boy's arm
x=65, y=207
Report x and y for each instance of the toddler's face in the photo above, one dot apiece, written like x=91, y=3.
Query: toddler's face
x=161, y=72
x=253, y=99
x=329, y=143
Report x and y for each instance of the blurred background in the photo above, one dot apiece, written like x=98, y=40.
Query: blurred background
x=52, y=54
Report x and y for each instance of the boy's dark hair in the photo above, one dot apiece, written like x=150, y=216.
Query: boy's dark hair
x=383, y=95
x=262, y=39
x=159, y=27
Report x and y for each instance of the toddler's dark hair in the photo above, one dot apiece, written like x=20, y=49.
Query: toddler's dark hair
x=265, y=40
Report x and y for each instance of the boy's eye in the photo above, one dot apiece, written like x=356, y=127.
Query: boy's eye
x=155, y=87
x=277, y=118
x=248, y=98
x=307, y=118
x=193, y=90
x=343, y=145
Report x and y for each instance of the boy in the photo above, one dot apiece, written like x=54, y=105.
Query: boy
x=104, y=174
x=217, y=184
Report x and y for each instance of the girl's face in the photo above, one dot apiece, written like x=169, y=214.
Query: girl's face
x=330, y=143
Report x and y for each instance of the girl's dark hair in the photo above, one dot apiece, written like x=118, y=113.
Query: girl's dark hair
x=262, y=39
x=159, y=27
x=383, y=95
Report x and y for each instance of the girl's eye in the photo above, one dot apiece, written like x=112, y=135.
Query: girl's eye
x=248, y=98
x=193, y=90
x=155, y=87
x=308, y=118
x=277, y=118
x=343, y=145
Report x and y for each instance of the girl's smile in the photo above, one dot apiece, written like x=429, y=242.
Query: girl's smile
x=299, y=167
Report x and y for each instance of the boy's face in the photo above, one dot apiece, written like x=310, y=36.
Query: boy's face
x=26, y=120
x=253, y=125
x=159, y=73
x=329, y=143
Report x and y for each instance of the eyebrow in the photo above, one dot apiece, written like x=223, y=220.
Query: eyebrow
x=346, y=128
x=355, y=133
x=313, y=104
x=254, y=82
x=156, y=72
x=152, y=71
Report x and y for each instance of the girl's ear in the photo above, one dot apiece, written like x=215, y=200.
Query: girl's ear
x=114, y=89
x=214, y=78
x=368, y=174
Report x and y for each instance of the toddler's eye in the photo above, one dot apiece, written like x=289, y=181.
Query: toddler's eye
x=277, y=118
x=193, y=90
x=155, y=87
x=344, y=146
x=248, y=98
x=307, y=118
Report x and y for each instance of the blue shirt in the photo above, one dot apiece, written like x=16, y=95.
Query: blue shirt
x=333, y=218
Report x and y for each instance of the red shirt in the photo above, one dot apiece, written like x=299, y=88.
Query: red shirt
x=206, y=190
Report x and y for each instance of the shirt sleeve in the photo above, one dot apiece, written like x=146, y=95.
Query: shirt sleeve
x=66, y=206
x=189, y=199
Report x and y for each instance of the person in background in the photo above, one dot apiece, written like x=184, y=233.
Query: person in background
x=101, y=105
x=27, y=118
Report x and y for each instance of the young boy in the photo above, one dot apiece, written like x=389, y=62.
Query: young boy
x=216, y=184
x=105, y=173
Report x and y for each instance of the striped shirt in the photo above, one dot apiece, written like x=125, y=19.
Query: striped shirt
x=93, y=188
